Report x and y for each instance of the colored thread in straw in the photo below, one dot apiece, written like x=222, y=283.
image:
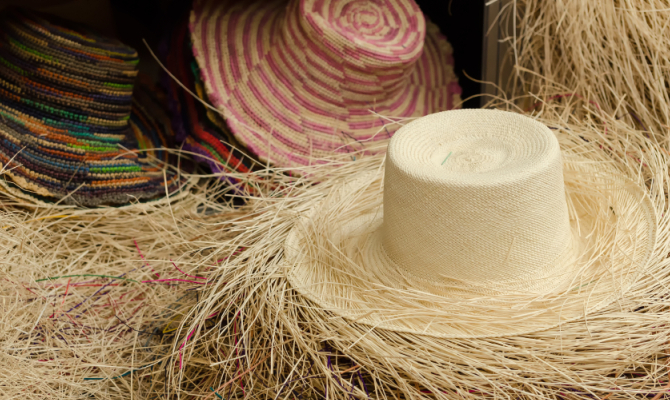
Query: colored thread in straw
x=217, y=395
x=446, y=158
x=146, y=263
x=119, y=376
x=86, y=275
x=192, y=276
x=240, y=375
x=176, y=280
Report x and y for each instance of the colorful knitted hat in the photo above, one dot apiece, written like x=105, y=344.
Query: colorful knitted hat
x=71, y=129
x=300, y=80
x=199, y=129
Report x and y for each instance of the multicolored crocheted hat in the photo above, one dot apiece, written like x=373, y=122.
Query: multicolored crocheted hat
x=299, y=80
x=200, y=130
x=71, y=128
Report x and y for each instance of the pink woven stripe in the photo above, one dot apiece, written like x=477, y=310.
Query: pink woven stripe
x=246, y=37
x=221, y=52
x=294, y=67
x=197, y=24
x=275, y=112
x=356, y=126
x=324, y=74
x=314, y=52
x=310, y=89
x=232, y=47
x=248, y=112
x=319, y=127
x=269, y=83
x=295, y=149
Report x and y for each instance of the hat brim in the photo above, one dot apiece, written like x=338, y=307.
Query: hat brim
x=281, y=114
x=149, y=126
x=335, y=258
x=37, y=198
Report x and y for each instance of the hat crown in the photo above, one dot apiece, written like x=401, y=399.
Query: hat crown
x=372, y=44
x=477, y=196
x=68, y=72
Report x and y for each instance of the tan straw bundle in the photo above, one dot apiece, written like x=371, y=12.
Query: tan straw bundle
x=92, y=299
x=613, y=53
x=223, y=320
x=275, y=341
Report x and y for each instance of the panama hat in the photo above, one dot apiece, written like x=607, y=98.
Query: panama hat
x=74, y=127
x=298, y=81
x=482, y=215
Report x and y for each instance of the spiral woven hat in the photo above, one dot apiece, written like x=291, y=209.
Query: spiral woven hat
x=71, y=129
x=300, y=80
x=485, y=228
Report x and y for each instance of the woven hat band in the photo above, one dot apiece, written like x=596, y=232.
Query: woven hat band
x=366, y=48
x=478, y=200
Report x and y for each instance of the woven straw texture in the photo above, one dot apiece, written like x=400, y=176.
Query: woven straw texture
x=300, y=80
x=480, y=216
x=71, y=129
x=200, y=130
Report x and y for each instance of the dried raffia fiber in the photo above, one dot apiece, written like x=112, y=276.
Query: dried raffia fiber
x=270, y=342
x=611, y=52
x=221, y=321
x=92, y=299
x=198, y=306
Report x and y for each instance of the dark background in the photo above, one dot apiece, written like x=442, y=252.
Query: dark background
x=461, y=21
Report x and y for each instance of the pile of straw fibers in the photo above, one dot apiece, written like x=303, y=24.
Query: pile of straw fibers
x=187, y=298
x=270, y=342
x=613, y=53
x=92, y=299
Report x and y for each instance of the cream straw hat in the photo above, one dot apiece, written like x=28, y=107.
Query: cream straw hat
x=300, y=80
x=482, y=215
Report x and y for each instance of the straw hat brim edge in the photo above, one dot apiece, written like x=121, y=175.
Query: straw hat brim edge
x=293, y=250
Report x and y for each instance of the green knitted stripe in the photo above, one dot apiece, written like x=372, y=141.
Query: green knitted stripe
x=101, y=149
x=52, y=110
x=118, y=85
x=12, y=118
x=98, y=141
x=78, y=134
x=115, y=169
x=12, y=66
x=29, y=50
x=65, y=125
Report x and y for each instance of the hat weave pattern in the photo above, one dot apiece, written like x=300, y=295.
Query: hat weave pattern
x=298, y=81
x=69, y=126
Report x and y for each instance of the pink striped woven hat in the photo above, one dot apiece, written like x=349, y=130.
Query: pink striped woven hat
x=299, y=80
